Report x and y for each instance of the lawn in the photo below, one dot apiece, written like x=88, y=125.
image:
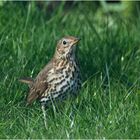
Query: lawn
x=108, y=104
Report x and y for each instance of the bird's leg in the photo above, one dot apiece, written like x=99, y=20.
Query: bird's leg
x=44, y=115
x=72, y=117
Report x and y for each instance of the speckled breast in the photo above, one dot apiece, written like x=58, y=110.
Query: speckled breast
x=62, y=81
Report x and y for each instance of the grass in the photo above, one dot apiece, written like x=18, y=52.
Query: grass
x=108, y=105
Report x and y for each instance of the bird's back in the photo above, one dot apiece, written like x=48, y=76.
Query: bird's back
x=40, y=84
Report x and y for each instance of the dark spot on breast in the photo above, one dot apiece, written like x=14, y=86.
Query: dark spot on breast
x=71, y=78
x=63, y=87
x=67, y=75
x=72, y=74
x=60, y=82
x=52, y=80
x=74, y=67
x=68, y=83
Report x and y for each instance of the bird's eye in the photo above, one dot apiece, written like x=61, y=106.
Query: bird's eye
x=64, y=42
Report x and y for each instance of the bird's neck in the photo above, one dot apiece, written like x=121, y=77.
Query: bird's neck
x=66, y=57
x=60, y=62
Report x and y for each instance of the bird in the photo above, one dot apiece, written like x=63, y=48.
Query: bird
x=59, y=78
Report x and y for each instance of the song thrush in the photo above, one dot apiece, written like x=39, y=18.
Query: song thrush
x=59, y=77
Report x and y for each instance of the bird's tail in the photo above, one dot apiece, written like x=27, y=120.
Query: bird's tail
x=28, y=81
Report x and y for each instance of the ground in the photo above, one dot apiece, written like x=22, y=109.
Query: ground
x=108, y=104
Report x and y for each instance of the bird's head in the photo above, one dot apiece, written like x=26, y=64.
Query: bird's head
x=66, y=47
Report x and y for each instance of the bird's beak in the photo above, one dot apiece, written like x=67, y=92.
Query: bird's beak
x=76, y=40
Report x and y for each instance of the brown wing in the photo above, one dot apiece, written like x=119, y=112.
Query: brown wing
x=36, y=91
x=28, y=81
x=40, y=84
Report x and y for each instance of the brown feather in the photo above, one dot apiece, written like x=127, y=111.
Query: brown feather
x=36, y=91
x=40, y=84
x=28, y=81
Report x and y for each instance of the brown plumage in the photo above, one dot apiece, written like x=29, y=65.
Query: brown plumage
x=59, y=77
